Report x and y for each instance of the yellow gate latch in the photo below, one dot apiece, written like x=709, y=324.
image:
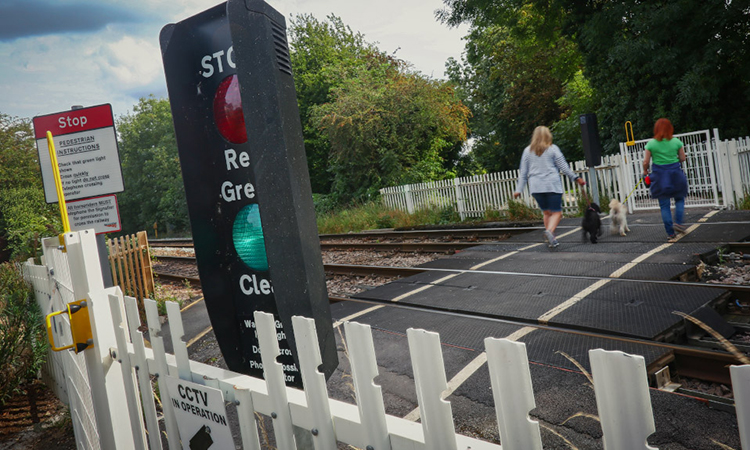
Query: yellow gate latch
x=629, y=136
x=80, y=327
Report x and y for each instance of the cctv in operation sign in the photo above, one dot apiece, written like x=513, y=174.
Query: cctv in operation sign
x=86, y=146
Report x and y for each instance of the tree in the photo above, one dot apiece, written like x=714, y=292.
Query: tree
x=514, y=76
x=389, y=126
x=19, y=163
x=324, y=55
x=24, y=215
x=154, y=191
x=687, y=60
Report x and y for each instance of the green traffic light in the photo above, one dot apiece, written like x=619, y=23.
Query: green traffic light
x=247, y=236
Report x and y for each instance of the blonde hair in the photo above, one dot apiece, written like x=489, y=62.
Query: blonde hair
x=541, y=140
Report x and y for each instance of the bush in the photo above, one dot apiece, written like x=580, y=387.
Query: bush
x=745, y=202
x=25, y=218
x=583, y=202
x=324, y=204
x=23, y=341
x=519, y=211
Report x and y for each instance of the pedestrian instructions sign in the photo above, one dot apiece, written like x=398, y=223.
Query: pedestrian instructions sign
x=86, y=146
x=99, y=213
x=201, y=415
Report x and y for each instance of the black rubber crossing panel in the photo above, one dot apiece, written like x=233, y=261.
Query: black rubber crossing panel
x=718, y=232
x=644, y=310
x=547, y=346
x=399, y=287
x=504, y=296
x=730, y=216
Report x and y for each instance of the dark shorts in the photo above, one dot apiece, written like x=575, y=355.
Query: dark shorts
x=549, y=201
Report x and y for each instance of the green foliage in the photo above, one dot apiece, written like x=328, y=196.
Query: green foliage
x=513, y=77
x=25, y=218
x=745, y=202
x=154, y=191
x=582, y=201
x=161, y=297
x=23, y=341
x=323, y=204
x=493, y=214
x=24, y=215
x=324, y=54
x=683, y=59
x=388, y=127
x=373, y=215
x=19, y=165
x=519, y=211
x=628, y=60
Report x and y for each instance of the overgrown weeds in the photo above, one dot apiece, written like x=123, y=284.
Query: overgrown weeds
x=23, y=343
x=375, y=216
x=583, y=200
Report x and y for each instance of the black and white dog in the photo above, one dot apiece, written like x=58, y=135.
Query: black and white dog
x=592, y=224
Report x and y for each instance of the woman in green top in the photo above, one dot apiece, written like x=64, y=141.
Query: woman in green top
x=668, y=181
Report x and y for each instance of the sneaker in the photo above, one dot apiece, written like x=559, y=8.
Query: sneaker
x=549, y=238
x=679, y=228
x=671, y=237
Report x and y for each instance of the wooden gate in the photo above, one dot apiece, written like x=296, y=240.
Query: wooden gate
x=130, y=261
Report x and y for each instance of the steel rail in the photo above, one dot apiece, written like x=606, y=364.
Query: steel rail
x=718, y=356
x=458, y=232
x=407, y=271
x=682, y=349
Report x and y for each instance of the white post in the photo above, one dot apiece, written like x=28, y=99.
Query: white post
x=107, y=386
x=459, y=199
x=712, y=169
x=409, y=199
x=741, y=386
x=625, y=180
x=719, y=149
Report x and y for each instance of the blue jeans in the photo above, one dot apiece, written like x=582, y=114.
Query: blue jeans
x=666, y=213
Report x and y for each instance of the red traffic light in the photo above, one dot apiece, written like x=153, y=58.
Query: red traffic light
x=228, y=114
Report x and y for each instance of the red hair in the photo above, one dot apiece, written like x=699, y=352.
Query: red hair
x=663, y=129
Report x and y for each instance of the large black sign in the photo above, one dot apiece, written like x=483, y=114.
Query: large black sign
x=246, y=181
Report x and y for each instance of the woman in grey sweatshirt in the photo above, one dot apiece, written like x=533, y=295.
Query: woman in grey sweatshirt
x=541, y=164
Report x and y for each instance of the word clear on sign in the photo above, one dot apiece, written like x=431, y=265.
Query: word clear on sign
x=201, y=415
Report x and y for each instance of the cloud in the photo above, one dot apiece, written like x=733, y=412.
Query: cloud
x=131, y=61
x=23, y=18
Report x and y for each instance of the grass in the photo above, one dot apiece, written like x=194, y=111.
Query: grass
x=375, y=216
x=745, y=202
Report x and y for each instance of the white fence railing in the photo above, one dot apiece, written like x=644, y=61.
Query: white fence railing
x=127, y=395
x=473, y=196
x=718, y=175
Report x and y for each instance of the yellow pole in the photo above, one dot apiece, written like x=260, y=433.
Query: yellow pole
x=58, y=184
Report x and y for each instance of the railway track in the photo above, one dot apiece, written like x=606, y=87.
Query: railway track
x=699, y=358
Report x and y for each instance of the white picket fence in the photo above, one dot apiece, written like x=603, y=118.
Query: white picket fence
x=718, y=173
x=473, y=196
x=117, y=373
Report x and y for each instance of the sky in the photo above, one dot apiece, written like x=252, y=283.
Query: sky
x=58, y=53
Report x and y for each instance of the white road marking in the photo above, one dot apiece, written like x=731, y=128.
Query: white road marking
x=455, y=382
x=473, y=366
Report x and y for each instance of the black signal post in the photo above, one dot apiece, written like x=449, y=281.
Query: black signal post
x=244, y=166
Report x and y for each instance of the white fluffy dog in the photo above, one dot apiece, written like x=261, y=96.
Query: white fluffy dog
x=619, y=217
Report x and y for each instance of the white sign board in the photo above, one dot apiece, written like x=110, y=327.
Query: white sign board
x=201, y=415
x=99, y=213
x=86, y=147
